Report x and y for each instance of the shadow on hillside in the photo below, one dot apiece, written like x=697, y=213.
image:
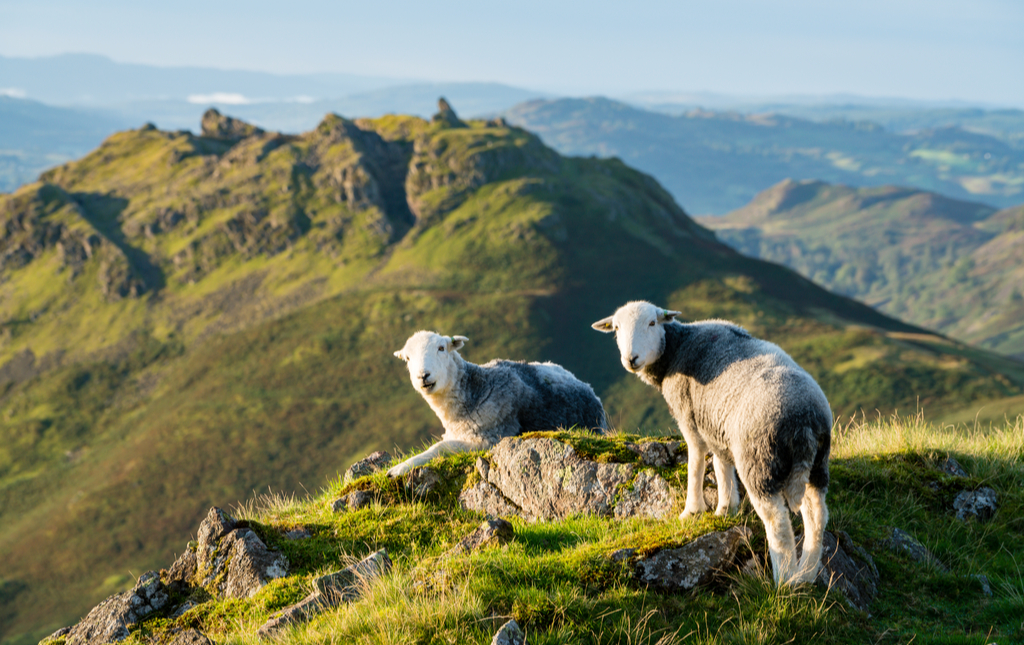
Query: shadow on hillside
x=104, y=212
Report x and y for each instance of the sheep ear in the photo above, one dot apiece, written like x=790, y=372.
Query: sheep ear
x=665, y=315
x=604, y=325
x=458, y=342
x=400, y=355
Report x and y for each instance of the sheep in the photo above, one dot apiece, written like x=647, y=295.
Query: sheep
x=747, y=402
x=479, y=405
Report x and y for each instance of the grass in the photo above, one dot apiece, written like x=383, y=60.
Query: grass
x=557, y=580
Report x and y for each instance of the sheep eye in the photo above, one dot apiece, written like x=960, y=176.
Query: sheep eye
x=652, y=324
x=441, y=348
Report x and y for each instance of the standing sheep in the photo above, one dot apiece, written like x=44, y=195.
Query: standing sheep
x=753, y=407
x=479, y=405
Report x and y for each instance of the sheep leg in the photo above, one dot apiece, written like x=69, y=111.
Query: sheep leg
x=728, y=492
x=696, y=451
x=444, y=447
x=815, y=516
x=781, y=544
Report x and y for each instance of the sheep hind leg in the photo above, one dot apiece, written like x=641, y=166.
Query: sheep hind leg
x=815, y=516
x=728, y=492
x=779, y=529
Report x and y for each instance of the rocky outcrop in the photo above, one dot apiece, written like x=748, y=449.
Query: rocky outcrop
x=848, y=568
x=544, y=479
x=219, y=126
x=692, y=564
x=491, y=533
x=509, y=634
x=110, y=620
x=368, y=465
x=978, y=504
x=330, y=591
x=232, y=561
x=899, y=541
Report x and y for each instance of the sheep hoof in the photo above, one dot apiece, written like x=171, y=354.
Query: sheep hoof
x=397, y=471
x=685, y=515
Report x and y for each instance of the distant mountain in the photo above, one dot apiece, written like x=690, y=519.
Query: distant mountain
x=34, y=137
x=715, y=162
x=185, y=318
x=89, y=79
x=953, y=266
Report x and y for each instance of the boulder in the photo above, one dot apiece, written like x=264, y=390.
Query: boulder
x=353, y=501
x=486, y=498
x=975, y=504
x=546, y=479
x=899, y=541
x=509, y=634
x=848, y=568
x=659, y=454
x=190, y=637
x=367, y=466
x=421, y=481
x=446, y=115
x=491, y=533
x=179, y=578
x=952, y=468
x=109, y=621
x=692, y=564
x=650, y=496
x=234, y=560
x=329, y=591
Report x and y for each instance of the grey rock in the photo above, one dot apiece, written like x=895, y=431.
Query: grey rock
x=509, y=634
x=216, y=525
x=649, y=497
x=185, y=606
x=367, y=466
x=422, y=481
x=491, y=533
x=354, y=501
x=952, y=468
x=179, y=578
x=659, y=454
x=483, y=467
x=900, y=541
x=622, y=555
x=446, y=115
x=848, y=568
x=978, y=504
x=300, y=533
x=110, y=620
x=486, y=498
x=330, y=591
x=191, y=637
x=60, y=633
x=546, y=479
x=250, y=565
x=692, y=564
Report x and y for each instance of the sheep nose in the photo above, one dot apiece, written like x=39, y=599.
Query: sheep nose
x=632, y=360
x=425, y=375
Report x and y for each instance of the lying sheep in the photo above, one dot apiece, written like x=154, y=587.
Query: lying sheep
x=479, y=405
x=753, y=407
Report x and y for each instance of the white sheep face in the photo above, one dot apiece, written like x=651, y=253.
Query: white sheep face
x=431, y=359
x=639, y=332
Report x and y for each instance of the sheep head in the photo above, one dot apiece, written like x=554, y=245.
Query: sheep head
x=639, y=332
x=432, y=360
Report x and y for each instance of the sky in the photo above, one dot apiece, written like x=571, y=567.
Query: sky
x=966, y=50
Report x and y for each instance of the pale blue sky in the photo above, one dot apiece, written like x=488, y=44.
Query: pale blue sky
x=971, y=50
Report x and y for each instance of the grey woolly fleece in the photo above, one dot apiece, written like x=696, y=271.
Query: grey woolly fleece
x=506, y=398
x=747, y=395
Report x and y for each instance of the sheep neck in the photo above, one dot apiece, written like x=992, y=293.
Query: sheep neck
x=675, y=337
x=448, y=403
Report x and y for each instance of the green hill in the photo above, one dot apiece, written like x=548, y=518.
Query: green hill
x=717, y=161
x=940, y=263
x=187, y=319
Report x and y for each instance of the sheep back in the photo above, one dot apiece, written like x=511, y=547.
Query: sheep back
x=748, y=399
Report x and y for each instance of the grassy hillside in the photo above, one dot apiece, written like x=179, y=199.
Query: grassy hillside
x=187, y=319
x=936, y=262
x=557, y=579
x=715, y=161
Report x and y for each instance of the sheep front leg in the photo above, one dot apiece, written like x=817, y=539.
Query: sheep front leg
x=696, y=451
x=445, y=447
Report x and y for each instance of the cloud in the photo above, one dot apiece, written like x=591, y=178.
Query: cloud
x=13, y=92
x=224, y=98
